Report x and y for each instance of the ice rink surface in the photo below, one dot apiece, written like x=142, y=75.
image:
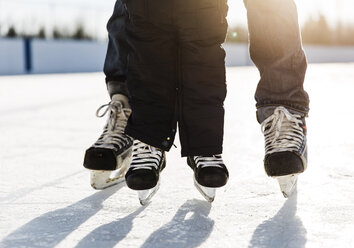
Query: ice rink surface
x=47, y=122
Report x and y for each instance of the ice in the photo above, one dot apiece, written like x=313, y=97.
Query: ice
x=47, y=122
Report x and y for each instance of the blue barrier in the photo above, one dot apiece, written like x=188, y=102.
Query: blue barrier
x=18, y=56
x=28, y=54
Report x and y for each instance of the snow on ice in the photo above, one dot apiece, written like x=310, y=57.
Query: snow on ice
x=47, y=121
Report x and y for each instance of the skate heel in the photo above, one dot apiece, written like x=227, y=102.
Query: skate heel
x=207, y=192
x=102, y=179
x=146, y=195
x=287, y=184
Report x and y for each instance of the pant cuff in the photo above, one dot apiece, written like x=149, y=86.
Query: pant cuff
x=117, y=87
x=202, y=151
x=295, y=106
x=165, y=146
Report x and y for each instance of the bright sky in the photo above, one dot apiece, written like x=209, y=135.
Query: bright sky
x=29, y=14
x=332, y=9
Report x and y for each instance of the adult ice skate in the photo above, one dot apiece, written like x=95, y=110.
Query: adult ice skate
x=209, y=173
x=144, y=170
x=109, y=158
x=285, y=146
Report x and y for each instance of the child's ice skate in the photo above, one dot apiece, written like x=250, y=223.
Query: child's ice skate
x=109, y=157
x=285, y=147
x=209, y=173
x=144, y=170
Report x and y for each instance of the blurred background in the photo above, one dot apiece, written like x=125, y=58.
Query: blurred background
x=51, y=36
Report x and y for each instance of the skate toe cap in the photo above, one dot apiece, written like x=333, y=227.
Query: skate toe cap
x=141, y=179
x=283, y=163
x=100, y=159
x=212, y=177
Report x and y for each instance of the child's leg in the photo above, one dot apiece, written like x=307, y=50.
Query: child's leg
x=202, y=28
x=151, y=84
x=151, y=72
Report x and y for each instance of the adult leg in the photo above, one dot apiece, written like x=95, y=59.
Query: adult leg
x=109, y=156
x=276, y=50
x=115, y=66
x=282, y=103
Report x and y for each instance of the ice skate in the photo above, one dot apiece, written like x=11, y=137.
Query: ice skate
x=109, y=157
x=209, y=173
x=285, y=147
x=144, y=170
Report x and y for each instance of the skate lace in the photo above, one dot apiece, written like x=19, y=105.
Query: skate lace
x=282, y=131
x=213, y=161
x=145, y=156
x=113, y=131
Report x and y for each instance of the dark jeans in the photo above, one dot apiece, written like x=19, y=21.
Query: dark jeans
x=115, y=66
x=275, y=48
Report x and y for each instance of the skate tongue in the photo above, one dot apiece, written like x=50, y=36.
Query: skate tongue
x=121, y=98
x=264, y=112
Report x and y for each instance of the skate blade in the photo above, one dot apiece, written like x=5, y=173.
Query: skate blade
x=104, y=179
x=146, y=195
x=207, y=192
x=101, y=179
x=287, y=184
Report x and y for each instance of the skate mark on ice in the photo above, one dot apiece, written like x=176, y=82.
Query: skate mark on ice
x=342, y=174
x=18, y=194
x=51, y=228
x=109, y=235
x=285, y=229
x=189, y=228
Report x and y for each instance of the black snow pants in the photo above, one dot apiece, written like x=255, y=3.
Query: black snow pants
x=176, y=73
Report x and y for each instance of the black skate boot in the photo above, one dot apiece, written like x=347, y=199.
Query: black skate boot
x=109, y=157
x=209, y=173
x=144, y=170
x=285, y=145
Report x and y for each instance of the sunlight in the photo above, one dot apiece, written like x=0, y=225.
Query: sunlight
x=333, y=11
